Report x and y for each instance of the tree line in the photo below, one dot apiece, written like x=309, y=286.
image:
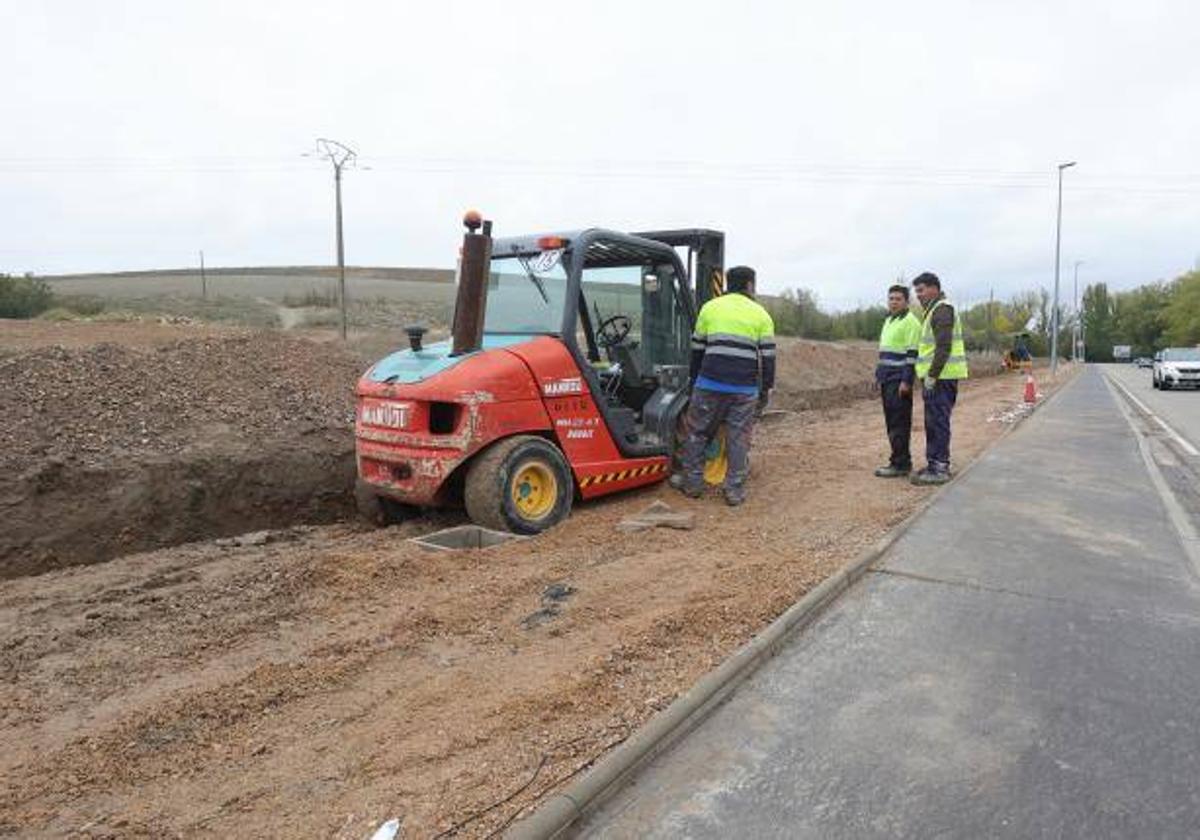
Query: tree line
x=1147, y=318
x=991, y=325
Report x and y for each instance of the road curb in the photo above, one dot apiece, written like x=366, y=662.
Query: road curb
x=557, y=814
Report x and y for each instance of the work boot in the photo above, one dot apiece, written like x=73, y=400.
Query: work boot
x=733, y=498
x=929, y=478
x=891, y=471
x=679, y=482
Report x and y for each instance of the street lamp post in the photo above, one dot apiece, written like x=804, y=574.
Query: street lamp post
x=1057, y=267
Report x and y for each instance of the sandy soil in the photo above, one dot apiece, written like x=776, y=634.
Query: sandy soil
x=318, y=683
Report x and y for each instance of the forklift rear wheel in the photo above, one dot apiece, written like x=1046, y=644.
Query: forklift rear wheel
x=521, y=484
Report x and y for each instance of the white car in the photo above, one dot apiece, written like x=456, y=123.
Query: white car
x=1177, y=367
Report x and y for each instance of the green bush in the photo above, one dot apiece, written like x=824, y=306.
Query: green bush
x=23, y=297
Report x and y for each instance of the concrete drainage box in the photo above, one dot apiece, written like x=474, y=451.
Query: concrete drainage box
x=464, y=536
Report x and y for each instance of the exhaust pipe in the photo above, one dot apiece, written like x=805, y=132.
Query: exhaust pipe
x=415, y=332
x=471, y=302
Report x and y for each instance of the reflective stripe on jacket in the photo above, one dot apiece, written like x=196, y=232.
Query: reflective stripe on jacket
x=734, y=342
x=898, y=348
x=956, y=364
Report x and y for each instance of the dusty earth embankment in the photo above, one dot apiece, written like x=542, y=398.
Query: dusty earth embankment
x=114, y=447
x=121, y=437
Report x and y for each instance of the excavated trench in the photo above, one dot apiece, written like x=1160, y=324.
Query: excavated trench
x=62, y=514
x=116, y=447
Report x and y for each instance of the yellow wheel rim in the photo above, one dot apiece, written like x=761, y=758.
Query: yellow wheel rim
x=534, y=490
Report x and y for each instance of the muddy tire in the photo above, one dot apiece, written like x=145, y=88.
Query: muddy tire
x=521, y=484
x=377, y=510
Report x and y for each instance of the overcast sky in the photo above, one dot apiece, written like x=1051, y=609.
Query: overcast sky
x=837, y=144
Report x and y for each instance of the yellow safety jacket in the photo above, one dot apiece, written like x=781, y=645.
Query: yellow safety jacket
x=898, y=348
x=733, y=346
x=956, y=364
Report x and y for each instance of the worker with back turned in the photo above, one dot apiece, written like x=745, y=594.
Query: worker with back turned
x=894, y=375
x=733, y=372
x=941, y=365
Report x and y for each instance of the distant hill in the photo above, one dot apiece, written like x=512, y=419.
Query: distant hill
x=432, y=275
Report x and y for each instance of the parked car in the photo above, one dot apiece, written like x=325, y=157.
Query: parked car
x=1177, y=367
x=1144, y=362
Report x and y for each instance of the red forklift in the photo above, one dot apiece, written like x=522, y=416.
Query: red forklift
x=565, y=377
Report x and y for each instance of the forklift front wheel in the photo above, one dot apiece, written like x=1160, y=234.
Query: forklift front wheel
x=521, y=484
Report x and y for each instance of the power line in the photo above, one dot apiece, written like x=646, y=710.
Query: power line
x=881, y=174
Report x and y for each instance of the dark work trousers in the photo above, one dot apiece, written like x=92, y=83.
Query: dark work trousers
x=897, y=413
x=939, y=404
x=706, y=412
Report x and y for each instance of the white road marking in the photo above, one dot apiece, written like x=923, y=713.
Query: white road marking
x=1188, y=538
x=1178, y=438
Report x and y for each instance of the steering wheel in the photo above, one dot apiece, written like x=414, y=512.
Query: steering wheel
x=612, y=331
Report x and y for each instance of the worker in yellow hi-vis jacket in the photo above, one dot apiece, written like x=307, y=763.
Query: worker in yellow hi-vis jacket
x=733, y=372
x=894, y=375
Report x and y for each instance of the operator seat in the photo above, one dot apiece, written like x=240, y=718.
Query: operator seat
x=631, y=368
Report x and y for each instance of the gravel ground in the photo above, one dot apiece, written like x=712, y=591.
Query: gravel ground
x=315, y=681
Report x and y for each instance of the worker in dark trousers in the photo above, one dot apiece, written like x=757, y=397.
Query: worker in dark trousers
x=733, y=372
x=894, y=376
x=941, y=365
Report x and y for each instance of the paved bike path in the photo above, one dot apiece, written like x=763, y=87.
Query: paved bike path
x=1024, y=662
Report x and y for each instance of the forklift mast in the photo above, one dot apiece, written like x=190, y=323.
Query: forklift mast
x=705, y=259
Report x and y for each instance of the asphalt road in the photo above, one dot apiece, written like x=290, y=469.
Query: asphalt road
x=1179, y=409
x=1021, y=663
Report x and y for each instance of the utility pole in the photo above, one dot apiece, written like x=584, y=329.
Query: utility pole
x=203, y=278
x=340, y=156
x=1057, y=267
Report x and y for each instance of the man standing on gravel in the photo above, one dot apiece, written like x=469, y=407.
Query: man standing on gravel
x=894, y=375
x=733, y=372
x=941, y=364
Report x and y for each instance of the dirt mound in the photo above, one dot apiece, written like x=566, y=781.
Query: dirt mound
x=112, y=448
x=822, y=374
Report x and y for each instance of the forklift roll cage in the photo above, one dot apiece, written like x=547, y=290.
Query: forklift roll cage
x=694, y=282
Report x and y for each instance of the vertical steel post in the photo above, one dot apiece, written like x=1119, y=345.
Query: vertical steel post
x=1057, y=266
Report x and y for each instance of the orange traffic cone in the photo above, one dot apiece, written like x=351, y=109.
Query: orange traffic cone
x=1030, y=388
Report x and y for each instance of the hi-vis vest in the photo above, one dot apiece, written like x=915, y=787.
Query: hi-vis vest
x=734, y=343
x=898, y=345
x=956, y=364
